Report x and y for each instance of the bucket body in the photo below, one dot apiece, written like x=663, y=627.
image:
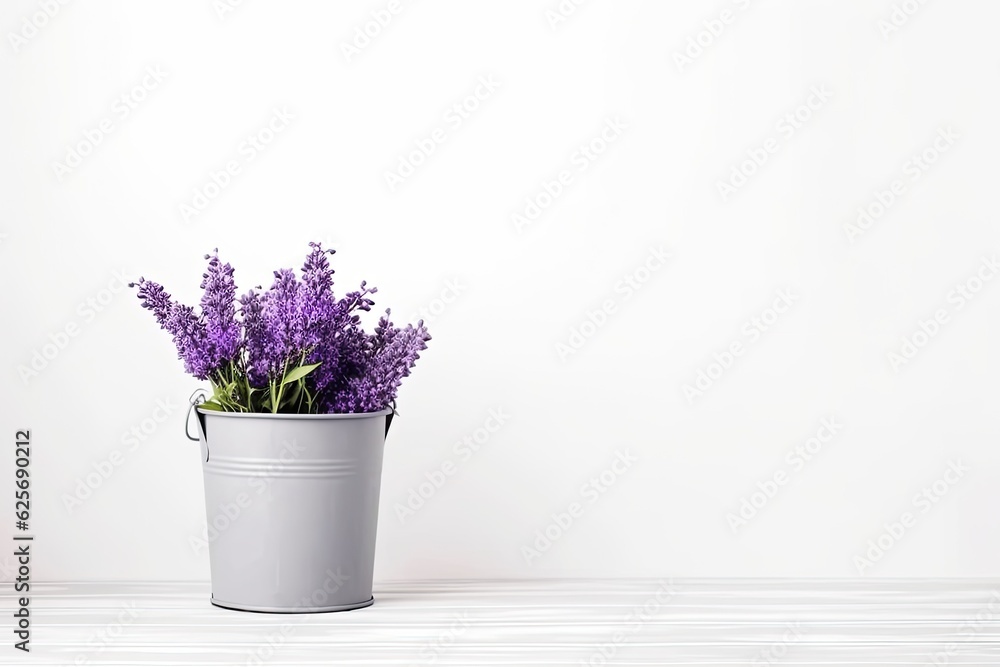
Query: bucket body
x=292, y=507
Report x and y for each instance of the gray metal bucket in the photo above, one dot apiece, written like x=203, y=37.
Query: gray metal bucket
x=292, y=505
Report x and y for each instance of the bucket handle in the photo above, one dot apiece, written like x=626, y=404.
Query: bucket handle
x=197, y=398
x=388, y=419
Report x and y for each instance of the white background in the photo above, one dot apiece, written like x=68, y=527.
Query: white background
x=523, y=291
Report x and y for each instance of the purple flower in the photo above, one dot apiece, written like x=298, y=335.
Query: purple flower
x=387, y=357
x=191, y=340
x=256, y=343
x=316, y=272
x=296, y=322
x=219, y=310
x=187, y=329
x=154, y=298
x=284, y=318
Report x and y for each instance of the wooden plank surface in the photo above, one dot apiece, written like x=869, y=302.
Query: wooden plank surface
x=623, y=622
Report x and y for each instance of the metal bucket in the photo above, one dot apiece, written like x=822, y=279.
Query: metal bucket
x=292, y=505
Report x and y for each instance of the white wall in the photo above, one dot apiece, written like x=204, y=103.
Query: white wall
x=495, y=346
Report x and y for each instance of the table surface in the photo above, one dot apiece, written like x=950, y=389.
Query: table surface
x=564, y=622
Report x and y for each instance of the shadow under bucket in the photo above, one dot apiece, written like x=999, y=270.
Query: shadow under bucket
x=292, y=507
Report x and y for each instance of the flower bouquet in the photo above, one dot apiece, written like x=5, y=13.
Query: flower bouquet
x=294, y=348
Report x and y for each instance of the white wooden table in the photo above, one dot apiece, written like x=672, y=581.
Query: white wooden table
x=689, y=622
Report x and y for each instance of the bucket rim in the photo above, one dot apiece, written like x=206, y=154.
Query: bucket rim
x=285, y=415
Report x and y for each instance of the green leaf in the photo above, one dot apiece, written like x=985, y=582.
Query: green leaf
x=293, y=393
x=211, y=405
x=298, y=373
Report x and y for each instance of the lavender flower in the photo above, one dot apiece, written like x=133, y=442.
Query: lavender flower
x=218, y=307
x=255, y=340
x=316, y=272
x=154, y=298
x=285, y=319
x=188, y=330
x=191, y=339
x=297, y=325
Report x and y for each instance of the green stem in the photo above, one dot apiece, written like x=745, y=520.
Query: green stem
x=281, y=387
x=309, y=399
